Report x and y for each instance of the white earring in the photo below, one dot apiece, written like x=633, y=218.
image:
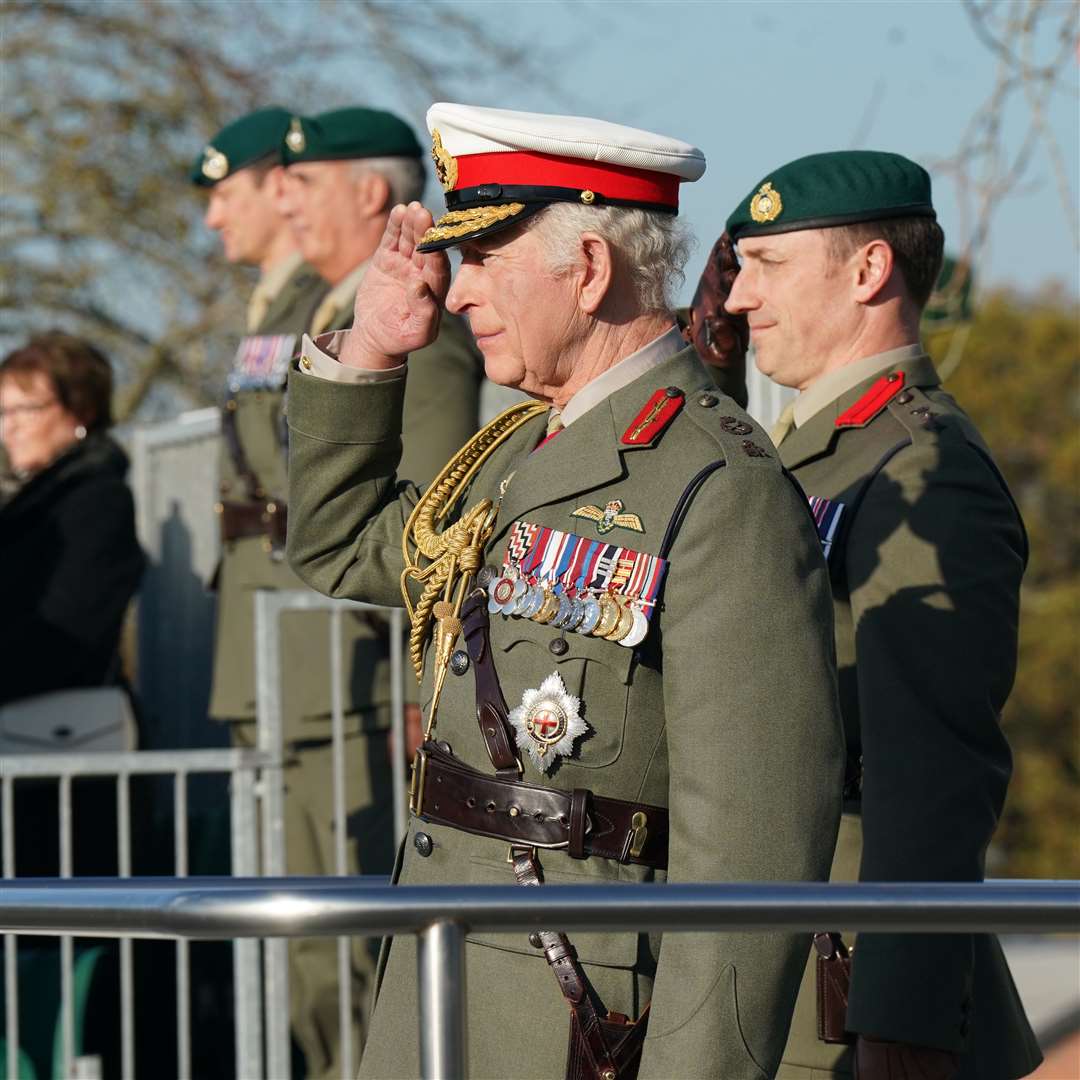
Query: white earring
x=80, y=431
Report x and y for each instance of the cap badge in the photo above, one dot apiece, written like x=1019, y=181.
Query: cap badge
x=445, y=162
x=295, y=140
x=611, y=517
x=215, y=165
x=766, y=205
x=547, y=722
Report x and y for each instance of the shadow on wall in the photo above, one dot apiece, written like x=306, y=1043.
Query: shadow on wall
x=176, y=640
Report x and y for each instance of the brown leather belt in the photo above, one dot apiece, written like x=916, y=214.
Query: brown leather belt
x=446, y=791
x=240, y=520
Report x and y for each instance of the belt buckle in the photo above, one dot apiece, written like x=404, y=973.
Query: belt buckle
x=416, y=784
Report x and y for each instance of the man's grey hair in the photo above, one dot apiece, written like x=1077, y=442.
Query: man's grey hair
x=405, y=175
x=651, y=246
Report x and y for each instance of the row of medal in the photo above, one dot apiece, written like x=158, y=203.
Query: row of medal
x=576, y=584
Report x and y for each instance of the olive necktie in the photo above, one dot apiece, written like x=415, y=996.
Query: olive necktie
x=784, y=423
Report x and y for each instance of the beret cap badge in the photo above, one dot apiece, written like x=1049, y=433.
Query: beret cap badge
x=295, y=140
x=766, y=204
x=215, y=165
x=446, y=168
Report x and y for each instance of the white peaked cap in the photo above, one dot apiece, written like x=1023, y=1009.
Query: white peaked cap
x=474, y=129
x=498, y=167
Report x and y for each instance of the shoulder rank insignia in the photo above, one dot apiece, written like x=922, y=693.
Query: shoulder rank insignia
x=872, y=402
x=611, y=517
x=658, y=412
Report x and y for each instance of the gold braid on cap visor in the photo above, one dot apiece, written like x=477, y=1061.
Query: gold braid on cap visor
x=462, y=222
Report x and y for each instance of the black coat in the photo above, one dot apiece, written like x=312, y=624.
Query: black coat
x=69, y=566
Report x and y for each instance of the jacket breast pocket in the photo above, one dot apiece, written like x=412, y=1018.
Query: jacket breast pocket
x=593, y=670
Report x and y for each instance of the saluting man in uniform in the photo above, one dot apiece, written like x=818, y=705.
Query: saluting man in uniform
x=253, y=512
x=926, y=550
x=616, y=578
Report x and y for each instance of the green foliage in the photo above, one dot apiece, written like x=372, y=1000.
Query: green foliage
x=1019, y=378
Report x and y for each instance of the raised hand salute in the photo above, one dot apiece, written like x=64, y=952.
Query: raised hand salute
x=399, y=302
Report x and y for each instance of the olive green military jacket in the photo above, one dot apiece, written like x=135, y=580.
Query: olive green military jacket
x=727, y=715
x=442, y=410
x=926, y=567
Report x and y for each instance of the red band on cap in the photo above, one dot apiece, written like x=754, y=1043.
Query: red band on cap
x=550, y=170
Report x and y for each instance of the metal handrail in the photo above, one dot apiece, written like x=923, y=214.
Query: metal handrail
x=442, y=915
x=303, y=907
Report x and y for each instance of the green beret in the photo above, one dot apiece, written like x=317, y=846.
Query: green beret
x=254, y=136
x=347, y=134
x=838, y=188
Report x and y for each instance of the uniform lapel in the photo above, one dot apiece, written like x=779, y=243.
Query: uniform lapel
x=580, y=458
x=815, y=437
x=589, y=453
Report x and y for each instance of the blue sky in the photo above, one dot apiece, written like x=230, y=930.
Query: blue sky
x=757, y=84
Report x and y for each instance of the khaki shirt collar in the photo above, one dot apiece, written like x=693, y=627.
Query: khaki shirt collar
x=342, y=295
x=623, y=374
x=835, y=384
x=270, y=284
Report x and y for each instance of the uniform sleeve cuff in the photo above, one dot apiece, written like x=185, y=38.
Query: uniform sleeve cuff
x=319, y=357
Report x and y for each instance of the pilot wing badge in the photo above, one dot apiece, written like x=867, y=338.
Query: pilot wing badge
x=611, y=517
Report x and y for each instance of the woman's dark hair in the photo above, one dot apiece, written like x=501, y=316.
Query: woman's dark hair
x=80, y=374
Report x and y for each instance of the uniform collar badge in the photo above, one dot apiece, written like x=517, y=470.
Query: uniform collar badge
x=766, y=204
x=295, y=139
x=547, y=722
x=611, y=517
x=215, y=165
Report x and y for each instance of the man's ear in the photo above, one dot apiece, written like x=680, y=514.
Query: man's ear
x=274, y=182
x=596, y=270
x=372, y=193
x=872, y=266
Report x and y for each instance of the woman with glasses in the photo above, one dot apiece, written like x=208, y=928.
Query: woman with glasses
x=69, y=560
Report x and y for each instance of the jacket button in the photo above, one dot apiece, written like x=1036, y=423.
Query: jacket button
x=423, y=844
x=904, y=398
x=672, y=391
x=558, y=646
x=534, y=940
x=486, y=576
x=459, y=662
x=707, y=401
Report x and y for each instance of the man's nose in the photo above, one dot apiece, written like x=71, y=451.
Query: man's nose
x=457, y=298
x=740, y=299
x=212, y=217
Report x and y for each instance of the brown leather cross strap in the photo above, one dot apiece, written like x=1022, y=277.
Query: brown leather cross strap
x=491, y=710
x=603, y=1045
x=243, y=519
x=446, y=791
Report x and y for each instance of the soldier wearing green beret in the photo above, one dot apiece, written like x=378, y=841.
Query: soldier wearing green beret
x=926, y=550
x=345, y=169
x=253, y=512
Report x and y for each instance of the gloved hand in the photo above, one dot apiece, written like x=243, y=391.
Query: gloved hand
x=721, y=340
x=878, y=1059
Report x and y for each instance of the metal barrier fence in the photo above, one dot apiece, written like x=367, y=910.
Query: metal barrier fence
x=441, y=916
x=269, y=665
x=242, y=767
x=257, y=833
